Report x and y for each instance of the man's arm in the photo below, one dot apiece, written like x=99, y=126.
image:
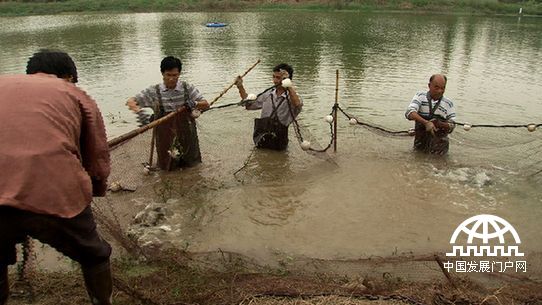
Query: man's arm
x=429, y=125
x=200, y=102
x=294, y=98
x=145, y=98
x=256, y=104
x=239, y=83
x=94, y=148
x=449, y=124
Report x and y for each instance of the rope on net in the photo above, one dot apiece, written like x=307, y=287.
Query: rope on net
x=147, y=122
x=375, y=127
x=528, y=126
x=354, y=120
x=242, y=102
x=467, y=126
x=300, y=139
x=399, y=133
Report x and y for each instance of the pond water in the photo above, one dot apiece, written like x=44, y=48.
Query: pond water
x=376, y=197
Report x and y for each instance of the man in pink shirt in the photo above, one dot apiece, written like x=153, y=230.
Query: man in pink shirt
x=54, y=158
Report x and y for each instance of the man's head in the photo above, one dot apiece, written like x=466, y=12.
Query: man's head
x=278, y=75
x=52, y=62
x=437, y=85
x=171, y=68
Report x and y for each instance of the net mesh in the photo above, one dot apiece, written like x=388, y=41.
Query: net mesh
x=230, y=163
x=516, y=148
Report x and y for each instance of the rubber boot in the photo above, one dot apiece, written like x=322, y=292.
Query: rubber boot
x=4, y=285
x=99, y=283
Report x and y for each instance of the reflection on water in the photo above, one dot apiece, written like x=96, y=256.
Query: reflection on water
x=378, y=196
x=384, y=58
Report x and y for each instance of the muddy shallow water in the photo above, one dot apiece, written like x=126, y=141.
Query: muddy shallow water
x=374, y=197
x=359, y=202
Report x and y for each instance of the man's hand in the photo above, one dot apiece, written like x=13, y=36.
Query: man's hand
x=430, y=127
x=132, y=105
x=444, y=125
x=99, y=187
x=239, y=81
x=202, y=105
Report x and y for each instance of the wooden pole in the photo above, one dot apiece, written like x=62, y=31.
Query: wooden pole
x=153, y=136
x=118, y=140
x=153, y=139
x=446, y=273
x=335, y=111
x=232, y=84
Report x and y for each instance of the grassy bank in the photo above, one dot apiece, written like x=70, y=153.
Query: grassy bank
x=178, y=278
x=44, y=7
x=156, y=275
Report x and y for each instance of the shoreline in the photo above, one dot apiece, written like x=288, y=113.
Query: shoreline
x=455, y=7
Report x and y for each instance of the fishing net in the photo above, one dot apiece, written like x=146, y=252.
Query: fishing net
x=230, y=163
x=515, y=148
x=141, y=198
x=134, y=210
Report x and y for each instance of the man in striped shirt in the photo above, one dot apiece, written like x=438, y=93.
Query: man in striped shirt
x=434, y=117
x=177, y=142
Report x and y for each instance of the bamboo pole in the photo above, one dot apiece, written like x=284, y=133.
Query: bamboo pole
x=122, y=138
x=335, y=107
x=127, y=136
x=446, y=273
x=151, y=154
x=233, y=83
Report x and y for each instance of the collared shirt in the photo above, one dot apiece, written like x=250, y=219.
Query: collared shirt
x=420, y=103
x=269, y=100
x=53, y=146
x=172, y=99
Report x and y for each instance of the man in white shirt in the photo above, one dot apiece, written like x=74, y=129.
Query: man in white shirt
x=280, y=106
x=434, y=117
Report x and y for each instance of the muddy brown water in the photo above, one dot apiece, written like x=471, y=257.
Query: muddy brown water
x=374, y=197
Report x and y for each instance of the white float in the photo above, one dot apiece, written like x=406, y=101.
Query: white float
x=115, y=186
x=196, y=113
x=286, y=83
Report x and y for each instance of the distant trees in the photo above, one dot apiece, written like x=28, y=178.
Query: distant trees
x=518, y=1
x=34, y=1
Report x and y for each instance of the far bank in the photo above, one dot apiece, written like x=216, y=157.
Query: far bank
x=480, y=7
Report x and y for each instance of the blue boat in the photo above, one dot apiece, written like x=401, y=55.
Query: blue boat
x=216, y=24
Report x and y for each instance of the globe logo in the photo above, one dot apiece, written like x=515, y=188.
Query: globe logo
x=483, y=229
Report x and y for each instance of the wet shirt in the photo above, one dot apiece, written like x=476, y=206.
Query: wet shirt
x=54, y=146
x=422, y=101
x=269, y=100
x=172, y=99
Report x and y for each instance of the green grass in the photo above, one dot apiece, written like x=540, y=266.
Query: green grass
x=17, y=8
